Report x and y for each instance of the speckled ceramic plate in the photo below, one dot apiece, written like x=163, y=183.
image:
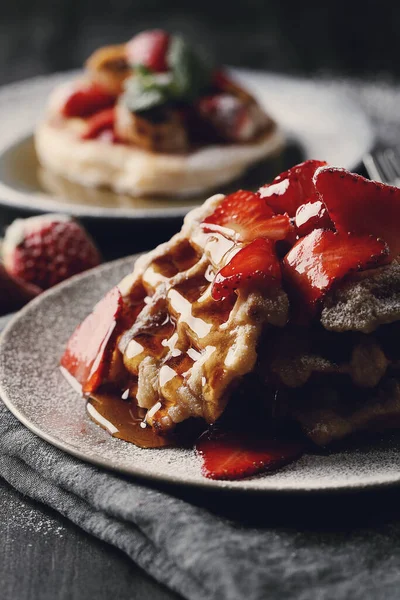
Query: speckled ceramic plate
x=33, y=388
x=317, y=116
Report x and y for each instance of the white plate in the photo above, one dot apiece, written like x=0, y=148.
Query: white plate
x=33, y=388
x=316, y=115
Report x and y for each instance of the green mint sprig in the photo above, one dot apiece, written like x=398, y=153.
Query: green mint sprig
x=189, y=73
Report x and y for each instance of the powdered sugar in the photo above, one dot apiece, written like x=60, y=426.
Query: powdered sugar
x=28, y=518
x=366, y=302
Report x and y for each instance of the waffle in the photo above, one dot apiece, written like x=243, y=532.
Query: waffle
x=209, y=312
x=186, y=352
x=366, y=302
x=328, y=413
x=294, y=356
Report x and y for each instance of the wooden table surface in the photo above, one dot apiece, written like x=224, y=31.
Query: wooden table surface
x=45, y=557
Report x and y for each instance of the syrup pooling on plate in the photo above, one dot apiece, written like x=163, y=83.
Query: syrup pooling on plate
x=123, y=419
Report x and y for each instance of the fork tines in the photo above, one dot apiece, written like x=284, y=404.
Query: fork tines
x=384, y=165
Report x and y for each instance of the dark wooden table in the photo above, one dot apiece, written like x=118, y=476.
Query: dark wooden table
x=45, y=557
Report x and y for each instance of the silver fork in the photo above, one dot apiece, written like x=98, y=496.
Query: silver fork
x=384, y=165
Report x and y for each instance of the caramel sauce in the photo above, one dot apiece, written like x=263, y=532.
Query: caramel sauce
x=122, y=419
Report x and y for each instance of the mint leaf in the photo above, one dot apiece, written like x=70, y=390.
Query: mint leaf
x=144, y=100
x=191, y=73
x=144, y=92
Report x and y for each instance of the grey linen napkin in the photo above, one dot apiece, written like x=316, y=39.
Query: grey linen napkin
x=227, y=546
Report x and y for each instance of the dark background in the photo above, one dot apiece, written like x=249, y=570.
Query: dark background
x=342, y=37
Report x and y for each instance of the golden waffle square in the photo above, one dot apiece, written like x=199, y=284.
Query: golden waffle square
x=186, y=351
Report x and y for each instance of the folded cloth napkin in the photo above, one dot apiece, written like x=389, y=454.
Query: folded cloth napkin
x=210, y=546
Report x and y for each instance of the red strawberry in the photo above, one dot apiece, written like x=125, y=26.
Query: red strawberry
x=47, y=249
x=89, y=349
x=149, y=49
x=256, y=263
x=292, y=188
x=228, y=116
x=248, y=217
x=98, y=123
x=14, y=293
x=312, y=215
x=361, y=206
x=87, y=100
x=323, y=257
x=233, y=456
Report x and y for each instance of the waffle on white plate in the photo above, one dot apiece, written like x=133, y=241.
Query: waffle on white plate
x=153, y=117
x=284, y=302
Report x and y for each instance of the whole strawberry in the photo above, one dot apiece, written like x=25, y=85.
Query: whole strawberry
x=47, y=249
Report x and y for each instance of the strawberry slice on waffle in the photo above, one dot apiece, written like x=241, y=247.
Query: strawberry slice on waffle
x=98, y=123
x=310, y=216
x=255, y=264
x=87, y=100
x=244, y=216
x=291, y=189
x=360, y=206
x=324, y=257
x=87, y=356
x=149, y=49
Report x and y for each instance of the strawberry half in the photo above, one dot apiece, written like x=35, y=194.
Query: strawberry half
x=324, y=257
x=292, y=188
x=247, y=217
x=86, y=101
x=256, y=263
x=310, y=216
x=98, y=123
x=149, y=49
x=233, y=456
x=361, y=206
x=87, y=355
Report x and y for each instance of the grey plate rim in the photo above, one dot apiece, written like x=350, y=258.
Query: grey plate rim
x=17, y=199
x=141, y=474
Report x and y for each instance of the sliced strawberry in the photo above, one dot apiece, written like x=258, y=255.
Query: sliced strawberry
x=256, y=263
x=98, y=123
x=361, y=206
x=310, y=216
x=89, y=349
x=234, y=456
x=87, y=101
x=229, y=116
x=149, y=49
x=292, y=188
x=324, y=257
x=247, y=216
